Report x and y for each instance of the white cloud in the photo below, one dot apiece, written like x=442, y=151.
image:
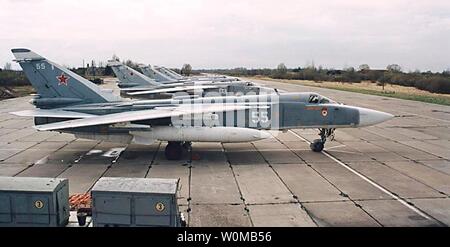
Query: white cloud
x=223, y=33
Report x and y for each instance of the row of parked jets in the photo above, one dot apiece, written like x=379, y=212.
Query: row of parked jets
x=159, y=82
x=162, y=105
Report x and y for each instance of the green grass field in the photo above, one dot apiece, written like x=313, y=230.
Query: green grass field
x=423, y=98
x=414, y=94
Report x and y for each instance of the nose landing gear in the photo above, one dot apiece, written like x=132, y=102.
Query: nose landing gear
x=318, y=144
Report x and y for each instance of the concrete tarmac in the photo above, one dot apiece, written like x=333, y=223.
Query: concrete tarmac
x=393, y=174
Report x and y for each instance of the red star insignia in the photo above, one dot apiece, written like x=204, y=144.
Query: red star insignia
x=63, y=79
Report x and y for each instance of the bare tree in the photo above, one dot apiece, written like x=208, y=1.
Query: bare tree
x=364, y=67
x=186, y=69
x=7, y=66
x=115, y=58
x=129, y=63
x=281, y=70
x=350, y=69
x=394, y=68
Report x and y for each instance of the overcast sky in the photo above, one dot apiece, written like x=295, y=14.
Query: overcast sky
x=227, y=34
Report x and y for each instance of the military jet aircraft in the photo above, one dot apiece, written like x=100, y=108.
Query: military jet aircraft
x=163, y=75
x=67, y=102
x=135, y=84
x=152, y=73
x=202, y=77
x=170, y=73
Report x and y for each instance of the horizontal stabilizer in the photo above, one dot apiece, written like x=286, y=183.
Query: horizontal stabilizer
x=22, y=54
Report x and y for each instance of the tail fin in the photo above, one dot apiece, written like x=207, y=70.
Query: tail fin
x=172, y=73
x=129, y=77
x=58, y=86
x=163, y=71
x=156, y=75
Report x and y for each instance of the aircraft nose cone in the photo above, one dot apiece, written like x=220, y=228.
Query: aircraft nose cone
x=369, y=117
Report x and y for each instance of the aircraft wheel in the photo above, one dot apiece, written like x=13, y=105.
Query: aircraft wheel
x=173, y=151
x=317, y=145
x=186, y=145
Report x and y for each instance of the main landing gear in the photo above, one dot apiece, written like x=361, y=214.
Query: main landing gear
x=318, y=144
x=175, y=150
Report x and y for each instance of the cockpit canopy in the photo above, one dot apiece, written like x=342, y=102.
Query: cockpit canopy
x=319, y=99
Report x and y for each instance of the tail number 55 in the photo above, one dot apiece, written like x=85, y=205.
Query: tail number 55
x=260, y=117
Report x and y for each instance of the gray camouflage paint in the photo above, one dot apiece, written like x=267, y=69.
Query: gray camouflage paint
x=60, y=88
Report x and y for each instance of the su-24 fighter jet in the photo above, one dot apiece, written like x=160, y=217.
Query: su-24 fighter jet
x=170, y=73
x=152, y=73
x=132, y=83
x=158, y=73
x=174, y=75
x=69, y=103
x=165, y=75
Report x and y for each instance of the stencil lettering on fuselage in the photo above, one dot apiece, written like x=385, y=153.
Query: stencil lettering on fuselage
x=250, y=110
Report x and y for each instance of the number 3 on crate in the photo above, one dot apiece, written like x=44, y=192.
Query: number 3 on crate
x=160, y=206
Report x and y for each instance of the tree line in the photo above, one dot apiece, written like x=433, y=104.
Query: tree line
x=13, y=78
x=437, y=82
